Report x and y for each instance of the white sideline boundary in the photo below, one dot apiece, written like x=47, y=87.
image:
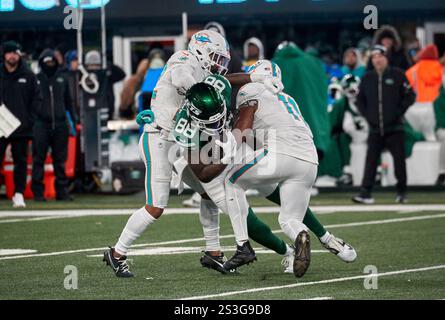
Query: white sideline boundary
x=310, y=283
x=333, y=226
x=268, y=209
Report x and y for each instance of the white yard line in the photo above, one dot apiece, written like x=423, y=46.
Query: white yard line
x=311, y=283
x=268, y=209
x=34, y=219
x=160, y=251
x=352, y=224
x=319, y=298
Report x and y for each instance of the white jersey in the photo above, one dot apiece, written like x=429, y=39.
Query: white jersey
x=181, y=72
x=278, y=123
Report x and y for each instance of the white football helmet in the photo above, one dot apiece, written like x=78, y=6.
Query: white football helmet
x=265, y=68
x=212, y=51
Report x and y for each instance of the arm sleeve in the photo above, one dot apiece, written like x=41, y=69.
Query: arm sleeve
x=407, y=94
x=182, y=77
x=117, y=74
x=36, y=98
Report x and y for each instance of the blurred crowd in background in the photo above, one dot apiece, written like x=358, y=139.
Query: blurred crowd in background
x=325, y=82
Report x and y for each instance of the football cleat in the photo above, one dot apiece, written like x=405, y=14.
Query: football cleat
x=243, y=255
x=288, y=262
x=364, y=198
x=214, y=262
x=193, y=202
x=302, y=254
x=119, y=266
x=340, y=248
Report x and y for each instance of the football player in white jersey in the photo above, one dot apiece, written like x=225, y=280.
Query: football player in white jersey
x=208, y=53
x=213, y=176
x=288, y=160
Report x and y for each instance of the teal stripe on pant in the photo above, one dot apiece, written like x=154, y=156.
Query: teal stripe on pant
x=148, y=169
x=247, y=166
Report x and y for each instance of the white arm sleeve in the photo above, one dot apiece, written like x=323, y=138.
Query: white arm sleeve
x=182, y=77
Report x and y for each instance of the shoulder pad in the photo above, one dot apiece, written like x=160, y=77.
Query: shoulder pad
x=248, y=92
x=182, y=56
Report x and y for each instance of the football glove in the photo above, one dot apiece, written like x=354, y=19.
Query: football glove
x=145, y=117
x=229, y=147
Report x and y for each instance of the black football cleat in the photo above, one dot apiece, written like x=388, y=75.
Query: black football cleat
x=302, y=258
x=214, y=262
x=119, y=266
x=243, y=255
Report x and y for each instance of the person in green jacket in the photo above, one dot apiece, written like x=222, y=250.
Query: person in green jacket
x=304, y=79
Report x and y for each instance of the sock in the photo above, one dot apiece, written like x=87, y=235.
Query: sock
x=289, y=250
x=313, y=224
x=136, y=225
x=309, y=219
x=275, y=196
x=261, y=233
x=240, y=243
x=209, y=217
x=325, y=237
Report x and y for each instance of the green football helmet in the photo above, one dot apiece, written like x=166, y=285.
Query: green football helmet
x=207, y=108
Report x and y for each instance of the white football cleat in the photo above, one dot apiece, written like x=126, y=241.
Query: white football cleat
x=18, y=201
x=288, y=262
x=193, y=202
x=340, y=248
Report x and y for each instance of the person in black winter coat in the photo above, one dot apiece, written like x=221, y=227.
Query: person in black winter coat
x=20, y=93
x=51, y=127
x=388, y=37
x=384, y=96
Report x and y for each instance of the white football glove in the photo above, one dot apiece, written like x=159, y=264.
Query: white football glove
x=229, y=147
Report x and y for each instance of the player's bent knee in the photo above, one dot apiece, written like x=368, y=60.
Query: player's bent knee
x=154, y=211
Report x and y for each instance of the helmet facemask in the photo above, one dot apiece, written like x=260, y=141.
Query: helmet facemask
x=219, y=63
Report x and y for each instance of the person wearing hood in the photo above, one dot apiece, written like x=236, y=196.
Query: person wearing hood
x=388, y=37
x=71, y=72
x=20, y=93
x=51, y=126
x=114, y=74
x=235, y=64
x=304, y=78
x=253, y=50
x=352, y=63
x=426, y=79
